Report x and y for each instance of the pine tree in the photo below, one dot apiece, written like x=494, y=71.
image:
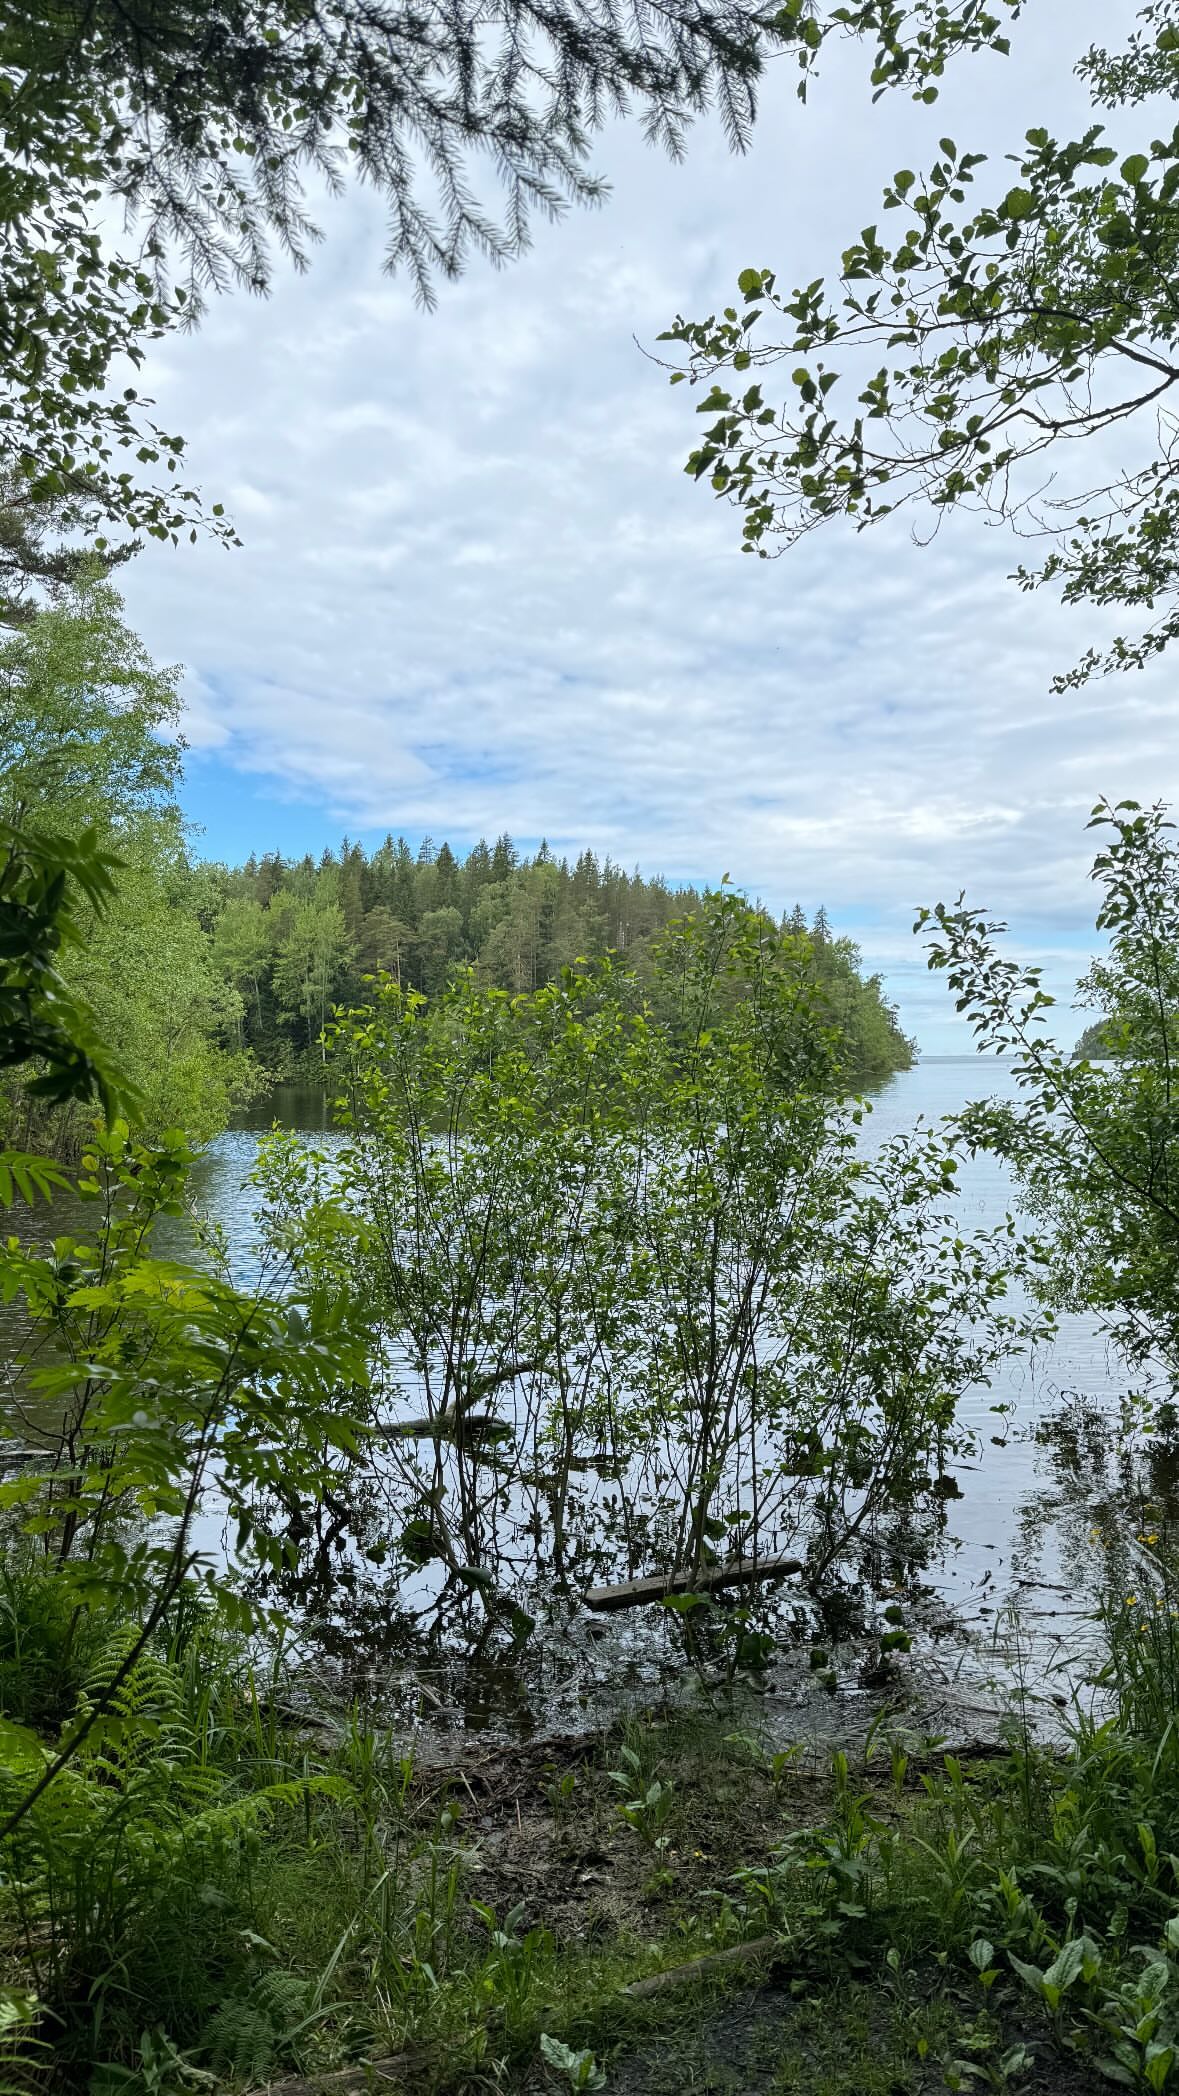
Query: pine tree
x=503, y=858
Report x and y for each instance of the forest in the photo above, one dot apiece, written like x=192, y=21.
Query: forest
x=218, y=982
x=479, y=1617
x=295, y=939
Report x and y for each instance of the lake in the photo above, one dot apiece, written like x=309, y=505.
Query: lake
x=1048, y=1472
x=1020, y=1538
x=1048, y=1476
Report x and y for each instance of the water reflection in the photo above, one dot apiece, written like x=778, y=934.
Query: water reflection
x=1053, y=1466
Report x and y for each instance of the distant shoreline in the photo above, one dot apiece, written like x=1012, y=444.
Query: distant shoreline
x=978, y=1055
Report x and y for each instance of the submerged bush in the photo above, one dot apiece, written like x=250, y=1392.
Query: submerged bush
x=640, y=1300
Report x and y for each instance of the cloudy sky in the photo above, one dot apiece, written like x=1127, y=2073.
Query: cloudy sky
x=478, y=593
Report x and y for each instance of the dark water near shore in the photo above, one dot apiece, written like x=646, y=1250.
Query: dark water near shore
x=1046, y=1474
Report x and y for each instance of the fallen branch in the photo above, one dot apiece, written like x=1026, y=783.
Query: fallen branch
x=341, y=2081
x=698, y=1968
x=634, y=1593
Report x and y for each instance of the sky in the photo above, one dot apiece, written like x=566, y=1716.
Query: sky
x=478, y=593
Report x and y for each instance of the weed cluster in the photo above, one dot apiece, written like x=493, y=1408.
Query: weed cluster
x=1049, y=1876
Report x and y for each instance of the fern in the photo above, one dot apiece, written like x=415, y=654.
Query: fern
x=144, y=1717
x=134, y=1880
x=249, y=2032
x=22, y=2053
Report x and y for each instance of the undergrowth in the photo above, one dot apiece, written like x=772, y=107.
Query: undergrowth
x=213, y=1893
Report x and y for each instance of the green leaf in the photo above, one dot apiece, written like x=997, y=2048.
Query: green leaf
x=21, y=1752
x=1031, y=1975
x=1067, y=1966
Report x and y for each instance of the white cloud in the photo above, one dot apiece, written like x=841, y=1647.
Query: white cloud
x=477, y=591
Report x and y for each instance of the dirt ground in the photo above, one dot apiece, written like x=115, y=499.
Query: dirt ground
x=559, y=1847
x=542, y=1823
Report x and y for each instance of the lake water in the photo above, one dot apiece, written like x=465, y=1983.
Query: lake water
x=1049, y=1476
x=1048, y=1473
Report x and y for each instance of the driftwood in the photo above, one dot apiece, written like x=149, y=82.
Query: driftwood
x=699, y=1968
x=445, y=1426
x=634, y=1593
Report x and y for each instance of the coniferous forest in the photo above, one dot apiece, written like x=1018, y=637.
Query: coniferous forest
x=292, y=939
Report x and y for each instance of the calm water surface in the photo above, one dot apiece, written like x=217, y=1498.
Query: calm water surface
x=1047, y=1473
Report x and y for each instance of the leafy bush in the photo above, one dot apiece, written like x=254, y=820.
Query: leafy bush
x=622, y=1230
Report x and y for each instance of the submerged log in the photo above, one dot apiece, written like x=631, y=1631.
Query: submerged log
x=635, y=1593
x=446, y=1426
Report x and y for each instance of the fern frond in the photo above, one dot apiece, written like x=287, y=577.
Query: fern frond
x=248, y=2033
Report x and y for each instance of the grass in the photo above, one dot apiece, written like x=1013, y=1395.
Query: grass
x=215, y=1895
x=854, y=2039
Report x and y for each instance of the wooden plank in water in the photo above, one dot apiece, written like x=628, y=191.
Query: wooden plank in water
x=634, y=1593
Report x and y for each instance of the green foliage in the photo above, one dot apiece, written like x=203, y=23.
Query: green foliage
x=31, y=564
x=99, y=905
x=47, y=1648
x=601, y=1233
x=43, y=879
x=1093, y=1147
x=87, y=720
x=1096, y=1044
x=312, y=955
x=151, y=1369
x=250, y=2033
x=1051, y=1878
x=293, y=939
x=204, y=127
x=647, y=1803
x=141, y=1381
x=580, y=2069
x=203, y=130
x=134, y=1886
x=149, y=973
x=914, y=39
x=990, y=331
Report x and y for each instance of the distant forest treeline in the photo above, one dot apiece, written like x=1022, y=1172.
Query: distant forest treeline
x=295, y=937
x=211, y=980
x=1097, y=1044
